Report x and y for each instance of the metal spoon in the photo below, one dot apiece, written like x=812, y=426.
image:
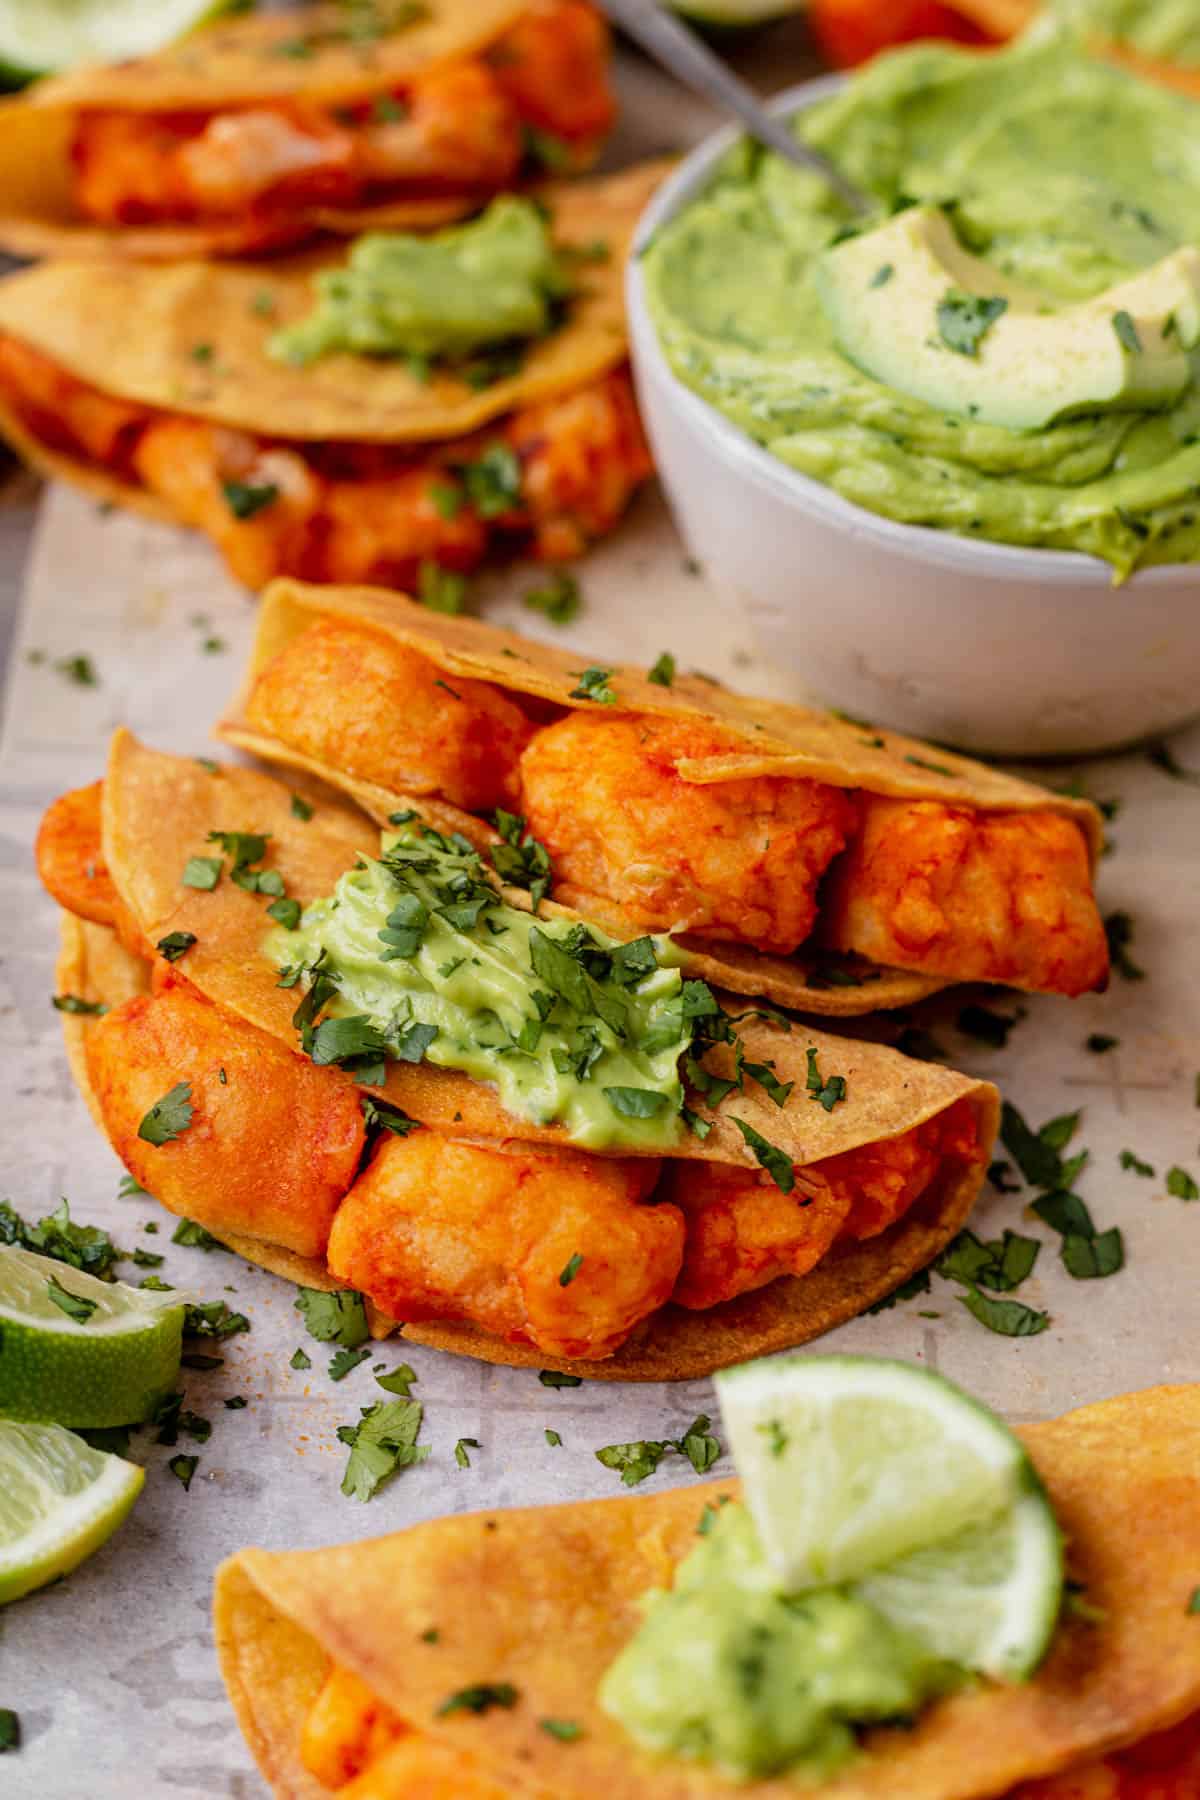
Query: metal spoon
x=674, y=45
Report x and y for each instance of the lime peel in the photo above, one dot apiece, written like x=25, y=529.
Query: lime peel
x=59, y=1501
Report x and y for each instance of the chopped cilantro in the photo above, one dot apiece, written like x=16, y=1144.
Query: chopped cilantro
x=301, y=808
x=448, y=499
x=175, y=945
x=635, y=1102
x=565, y=1730
x=201, y=872
x=441, y=590
x=381, y=1115
x=183, y=1468
x=246, y=498
x=764, y=1074
x=521, y=860
x=558, y=597
x=1193, y=1605
x=593, y=685
x=399, y=1381
x=775, y=1161
x=638, y=1460
x=1086, y=1254
x=344, y=1360
x=72, y=1003
x=1099, y=1041
x=1181, y=1185
x=339, y=1317
x=146, y=1259
x=964, y=320
x=570, y=1269
x=1127, y=331
x=480, y=1698
x=300, y=1359
x=776, y=1436
x=882, y=275
x=198, y=1429
x=56, y=1236
x=1010, y=1318
x=236, y=1402
x=555, y=1378
x=1001, y=1264
x=383, y=1442
x=461, y=1448
x=79, y=669
x=552, y=1438
x=74, y=1305
x=663, y=672
x=10, y=1730
x=195, y=1236
x=828, y=1090
x=169, y=1117
x=1129, y=1159
x=1118, y=929
x=285, y=913
x=1036, y=1154
x=493, y=481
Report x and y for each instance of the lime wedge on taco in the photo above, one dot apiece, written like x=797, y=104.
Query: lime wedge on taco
x=55, y=34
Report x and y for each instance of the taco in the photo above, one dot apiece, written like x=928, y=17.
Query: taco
x=395, y=465
x=465, y=1658
x=766, y=835
x=528, y=1141
x=269, y=129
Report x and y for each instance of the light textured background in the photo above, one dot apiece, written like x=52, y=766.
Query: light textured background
x=112, y=1672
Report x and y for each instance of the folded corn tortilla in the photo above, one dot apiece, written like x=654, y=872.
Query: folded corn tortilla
x=781, y=738
x=158, y=811
x=235, y=63
x=544, y=1598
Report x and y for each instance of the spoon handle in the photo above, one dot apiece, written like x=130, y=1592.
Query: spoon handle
x=689, y=59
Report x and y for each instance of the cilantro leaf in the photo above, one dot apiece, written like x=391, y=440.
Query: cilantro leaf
x=56, y=1236
x=169, y=1117
x=212, y=1319
x=195, y=1236
x=558, y=597
x=10, y=1729
x=907, y=1290
x=1010, y=1318
x=246, y=498
x=381, y=1115
x=564, y=1730
x=663, y=672
x=441, y=590
x=1127, y=332
x=570, y=1270
x=183, y=1468
x=1092, y=1257
x=1128, y=1159
x=1181, y=1185
x=964, y=320
x=301, y=808
x=775, y=1161
x=72, y=1003
x=339, y=1317
x=634, y=1462
x=493, y=481
x=74, y=1305
x=635, y=1102
x=399, y=1381
x=175, y=945
x=300, y=1359
x=1118, y=929
x=344, y=1360
x=383, y=1442
x=1002, y=1264
x=828, y=1090
x=1099, y=1042
x=553, y=1438
x=201, y=872
x=593, y=685
x=461, y=1448
x=1034, y=1154
x=480, y=1698
x=285, y=913
x=555, y=1378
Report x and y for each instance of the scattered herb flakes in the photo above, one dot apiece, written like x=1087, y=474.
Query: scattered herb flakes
x=776, y=1436
x=558, y=598
x=461, y=1448
x=1001, y=1264
x=236, y=1403
x=334, y=1318
x=431, y=1635
x=285, y=913
x=85, y=1247
x=198, y=1429
x=998, y=1175
x=1163, y=757
x=593, y=685
x=989, y=1027
x=828, y=1090
x=175, y=945
x=441, y=590
x=301, y=808
x=663, y=672
x=1036, y=1153
x=1193, y=1605
x=964, y=320
x=636, y=1102
x=521, y=860
x=493, y=481
x=300, y=1359
x=638, y=1460
x=147, y=1259
x=344, y=1361
x=183, y=1468
x=935, y=768
x=1100, y=1042
x=1118, y=929
x=383, y=1442
x=775, y=1161
x=555, y=1378
x=479, y=1699
x=552, y=1437
x=77, y=1007
x=74, y=1305
x=381, y=1115
x=194, y=1359
x=169, y=1117
x=1127, y=332
x=1181, y=1185
x=246, y=498
x=194, y=1236
x=201, y=872
x=10, y=1730
x=882, y=275
x=1129, y=1159
x=570, y=1270
x=80, y=669
x=908, y=1290
x=564, y=1730
x=398, y=1381
x=1092, y=1258
x=1010, y=1318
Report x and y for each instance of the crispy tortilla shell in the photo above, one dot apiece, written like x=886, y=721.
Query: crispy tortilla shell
x=546, y=1597
x=79, y=314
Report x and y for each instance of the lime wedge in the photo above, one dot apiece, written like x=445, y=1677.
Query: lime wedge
x=736, y=12
x=38, y=38
x=852, y=1461
x=986, y=1599
x=59, y=1501
x=106, y=1360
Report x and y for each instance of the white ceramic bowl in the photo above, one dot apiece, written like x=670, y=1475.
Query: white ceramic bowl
x=996, y=649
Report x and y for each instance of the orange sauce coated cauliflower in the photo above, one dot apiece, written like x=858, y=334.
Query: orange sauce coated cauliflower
x=273, y=1143
x=733, y=859
x=70, y=861
x=360, y=702
x=436, y=1229
x=977, y=896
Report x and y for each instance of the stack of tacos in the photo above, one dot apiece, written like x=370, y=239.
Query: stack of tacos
x=750, y=1183
x=156, y=387
x=268, y=129
x=341, y=1664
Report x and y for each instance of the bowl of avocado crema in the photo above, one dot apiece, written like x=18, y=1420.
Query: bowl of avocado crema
x=947, y=454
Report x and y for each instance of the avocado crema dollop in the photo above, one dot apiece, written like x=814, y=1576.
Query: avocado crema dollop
x=492, y=281
x=728, y=1669
x=1067, y=176
x=416, y=957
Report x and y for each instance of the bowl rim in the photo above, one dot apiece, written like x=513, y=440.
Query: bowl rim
x=979, y=557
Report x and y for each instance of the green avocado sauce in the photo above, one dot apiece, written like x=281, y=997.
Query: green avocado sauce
x=418, y=958
x=492, y=281
x=1165, y=30
x=727, y=1669
x=1066, y=173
